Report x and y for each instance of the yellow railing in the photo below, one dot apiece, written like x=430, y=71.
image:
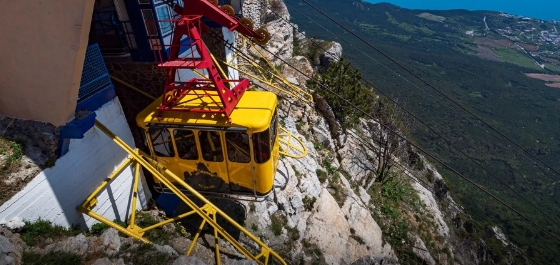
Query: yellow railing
x=208, y=211
x=271, y=77
x=288, y=147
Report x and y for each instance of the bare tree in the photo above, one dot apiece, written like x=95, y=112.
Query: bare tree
x=387, y=145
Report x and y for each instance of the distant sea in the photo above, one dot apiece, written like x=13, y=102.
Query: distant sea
x=541, y=9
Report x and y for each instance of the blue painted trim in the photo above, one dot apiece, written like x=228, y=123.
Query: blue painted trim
x=77, y=128
x=95, y=101
x=74, y=130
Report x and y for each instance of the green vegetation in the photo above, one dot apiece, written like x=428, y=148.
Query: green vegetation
x=329, y=167
x=524, y=109
x=33, y=232
x=13, y=150
x=322, y=175
x=553, y=68
x=147, y=255
x=276, y=224
x=518, y=57
x=343, y=79
x=52, y=258
x=156, y=235
x=309, y=203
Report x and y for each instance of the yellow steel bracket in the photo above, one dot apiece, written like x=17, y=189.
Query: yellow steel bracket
x=208, y=212
x=269, y=76
x=290, y=145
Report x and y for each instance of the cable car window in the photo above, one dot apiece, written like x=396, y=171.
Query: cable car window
x=274, y=128
x=162, y=143
x=261, y=146
x=211, y=146
x=186, y=144
x=237, y=144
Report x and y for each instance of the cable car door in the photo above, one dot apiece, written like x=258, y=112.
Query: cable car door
x=239, y=162
x=211, y=172
x=162, y=148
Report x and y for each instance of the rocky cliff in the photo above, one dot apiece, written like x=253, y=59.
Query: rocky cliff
x=333, y=200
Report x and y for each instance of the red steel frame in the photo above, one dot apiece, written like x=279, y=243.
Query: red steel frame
x=188, y=24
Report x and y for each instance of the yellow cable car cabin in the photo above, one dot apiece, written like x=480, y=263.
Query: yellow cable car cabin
x=213, y=154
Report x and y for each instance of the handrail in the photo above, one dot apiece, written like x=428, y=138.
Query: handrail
x=208, y=212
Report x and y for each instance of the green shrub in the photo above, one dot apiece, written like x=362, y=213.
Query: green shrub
x=276, y=225
x=32, y=232
x=308, y=203
x=98, y=229
x=52, y=258
x=342, y=79
x=330, y=168
x=322, y=175
x=318, y=146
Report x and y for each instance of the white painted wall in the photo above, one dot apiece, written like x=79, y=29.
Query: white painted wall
x=230, y=37
x=56, y=192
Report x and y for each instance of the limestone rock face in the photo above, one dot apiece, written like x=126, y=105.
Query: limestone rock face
x=111, y=241
x=329, y=229
x=322, y=133
x=362, y=223
x=281, y=41
x=376, y=260
x=302, y=64
x=332, y=54
x=8, y=255
x=328, y=114
x=355, y=158
x=107, y=261
x=276, y=10
x=256, y=11
x=184, y=260
x=77, y=245
x=11, y=247
x=419, y=250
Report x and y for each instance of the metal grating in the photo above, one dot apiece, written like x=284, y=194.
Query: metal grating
x=94, y=75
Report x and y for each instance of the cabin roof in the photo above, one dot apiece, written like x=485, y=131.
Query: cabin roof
x=254, y=112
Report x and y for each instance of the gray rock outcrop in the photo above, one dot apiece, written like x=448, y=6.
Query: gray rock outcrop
x=333, y=54
x=8, y=255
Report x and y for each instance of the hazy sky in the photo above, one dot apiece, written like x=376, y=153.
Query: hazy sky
x=542, y=9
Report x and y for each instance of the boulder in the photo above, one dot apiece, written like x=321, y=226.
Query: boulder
x=322, y=133
x=8, y=254
x=281, y=41
x=421, y=251
x=362, y=223
x=302, y=64
x=188, y=260
x=328, y=114
x=331, y=55
x=107, y=261
x=77, y=245
x=166, y=249
x=111, y=241
x=256, y=11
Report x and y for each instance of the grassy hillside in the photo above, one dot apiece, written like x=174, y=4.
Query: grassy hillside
x=441, y=47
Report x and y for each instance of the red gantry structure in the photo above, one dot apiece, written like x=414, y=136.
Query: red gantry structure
x=212, y=93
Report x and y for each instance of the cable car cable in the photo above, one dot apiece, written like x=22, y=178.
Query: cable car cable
x=439, y=161
x=448, y=142
x=437, y=90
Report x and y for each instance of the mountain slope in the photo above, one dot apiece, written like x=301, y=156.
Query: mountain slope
x=442, y=47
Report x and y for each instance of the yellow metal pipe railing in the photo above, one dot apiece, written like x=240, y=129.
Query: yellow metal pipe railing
x=208, y=211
